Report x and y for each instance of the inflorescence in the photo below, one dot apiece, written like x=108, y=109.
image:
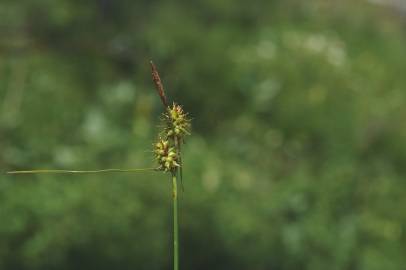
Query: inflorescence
x=167, y=149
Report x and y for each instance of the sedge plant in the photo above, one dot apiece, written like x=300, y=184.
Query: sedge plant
x=167, y=153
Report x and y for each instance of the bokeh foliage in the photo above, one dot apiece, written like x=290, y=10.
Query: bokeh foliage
x=297, y=159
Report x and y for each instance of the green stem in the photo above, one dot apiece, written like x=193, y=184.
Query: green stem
x=175, y=223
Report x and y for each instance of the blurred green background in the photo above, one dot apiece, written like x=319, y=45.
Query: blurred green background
x=297, y=159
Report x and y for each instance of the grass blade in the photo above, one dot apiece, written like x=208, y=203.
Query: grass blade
x=45, y=171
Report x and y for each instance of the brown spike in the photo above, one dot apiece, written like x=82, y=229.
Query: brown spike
x=158, y=84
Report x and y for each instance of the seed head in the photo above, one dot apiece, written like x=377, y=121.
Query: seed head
x=166, y=156
x=178, y=124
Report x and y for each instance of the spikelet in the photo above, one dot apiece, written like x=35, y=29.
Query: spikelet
x=166, y=156
x=177, y=123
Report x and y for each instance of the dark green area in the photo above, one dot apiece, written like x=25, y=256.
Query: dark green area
x=297, y=159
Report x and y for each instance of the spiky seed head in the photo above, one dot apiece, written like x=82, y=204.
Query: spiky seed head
x=178, y=124
x=166, y=156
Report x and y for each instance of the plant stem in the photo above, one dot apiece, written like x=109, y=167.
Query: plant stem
x=175, y=223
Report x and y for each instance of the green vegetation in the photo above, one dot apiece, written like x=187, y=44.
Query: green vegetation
x=298, y=148
x=176, y=125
